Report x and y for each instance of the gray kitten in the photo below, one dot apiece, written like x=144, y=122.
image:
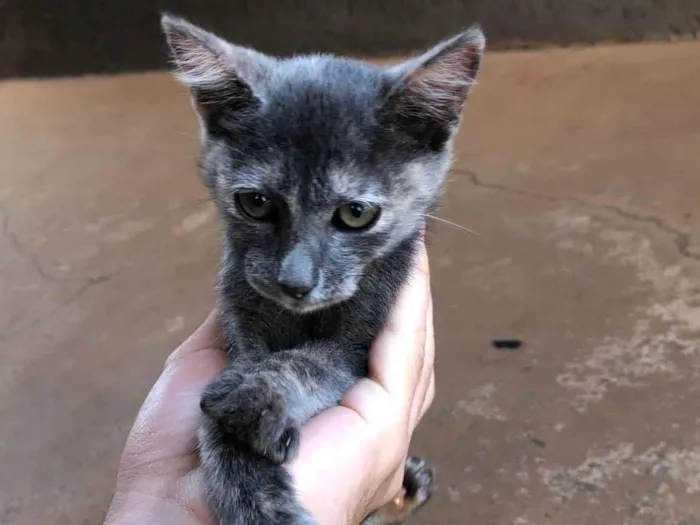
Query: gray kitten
x=323, y=169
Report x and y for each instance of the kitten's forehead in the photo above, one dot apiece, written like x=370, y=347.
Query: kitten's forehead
x=343, y=81
x=322, y=102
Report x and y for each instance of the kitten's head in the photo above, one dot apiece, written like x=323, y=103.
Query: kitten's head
x=320, y=164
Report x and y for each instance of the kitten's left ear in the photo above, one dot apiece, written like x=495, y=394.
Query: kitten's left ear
x=430, y=91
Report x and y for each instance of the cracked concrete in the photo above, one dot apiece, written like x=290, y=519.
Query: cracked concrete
x=14, y=242
x=682, y=237
x=579, y=170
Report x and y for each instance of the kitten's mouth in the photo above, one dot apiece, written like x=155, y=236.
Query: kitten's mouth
x=306, y=305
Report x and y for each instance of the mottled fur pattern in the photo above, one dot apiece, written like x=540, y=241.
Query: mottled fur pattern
x=310, y=134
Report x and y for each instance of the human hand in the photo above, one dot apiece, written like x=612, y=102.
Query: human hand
x=351, y=456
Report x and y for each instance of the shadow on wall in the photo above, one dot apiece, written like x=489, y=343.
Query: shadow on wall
x=50, y=38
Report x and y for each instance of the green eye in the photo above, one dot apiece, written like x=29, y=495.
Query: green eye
x=255, y=205
x=355, y=216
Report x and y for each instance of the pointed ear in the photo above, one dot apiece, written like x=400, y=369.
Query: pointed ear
x=431, y=90
x=215, y=71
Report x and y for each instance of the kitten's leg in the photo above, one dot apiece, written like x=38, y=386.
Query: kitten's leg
x=262, y=405
x=417, y=486
x=243, y=488
x=253, y=411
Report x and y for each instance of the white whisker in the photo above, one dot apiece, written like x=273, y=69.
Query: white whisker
x=440, y=219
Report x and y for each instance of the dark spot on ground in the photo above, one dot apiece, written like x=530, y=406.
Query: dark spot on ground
x=538, y=442
x=506, y=344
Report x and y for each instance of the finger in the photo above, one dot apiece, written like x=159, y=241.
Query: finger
x=387, y=490
x=338, y=440
x=430, y=396
x=393, y=487
x=426, y=371
x=373, y=404
x=207, y=336
x=397, y=356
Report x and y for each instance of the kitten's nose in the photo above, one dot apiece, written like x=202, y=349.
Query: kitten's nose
x=298, y=274
x=297, y=292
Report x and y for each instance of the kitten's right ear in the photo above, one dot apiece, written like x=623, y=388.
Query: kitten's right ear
x=215, y=71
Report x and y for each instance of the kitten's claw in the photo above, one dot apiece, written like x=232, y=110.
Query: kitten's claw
x=250, y=409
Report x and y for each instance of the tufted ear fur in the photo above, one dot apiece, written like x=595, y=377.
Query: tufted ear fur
x=430, y=91
x=216, y=72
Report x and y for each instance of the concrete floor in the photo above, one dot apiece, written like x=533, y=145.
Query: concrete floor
x=579, y=169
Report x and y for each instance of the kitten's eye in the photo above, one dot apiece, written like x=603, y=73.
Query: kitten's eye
x=255, y=205
x=355, y=216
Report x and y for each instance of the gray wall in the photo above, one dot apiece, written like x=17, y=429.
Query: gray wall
x=65, y=37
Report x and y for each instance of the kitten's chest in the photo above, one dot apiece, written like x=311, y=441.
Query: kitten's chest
x=279, y=330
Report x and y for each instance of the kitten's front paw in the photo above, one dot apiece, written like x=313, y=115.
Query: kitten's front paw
x=251, y=409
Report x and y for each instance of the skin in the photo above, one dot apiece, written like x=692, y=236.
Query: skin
x=366, y=437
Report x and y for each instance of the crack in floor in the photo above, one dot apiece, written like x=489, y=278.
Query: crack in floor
x=16, y=244
x=33, y=259
x=681, y=238
x=92, y=281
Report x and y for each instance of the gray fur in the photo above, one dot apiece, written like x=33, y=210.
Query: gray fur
x=302, y=299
